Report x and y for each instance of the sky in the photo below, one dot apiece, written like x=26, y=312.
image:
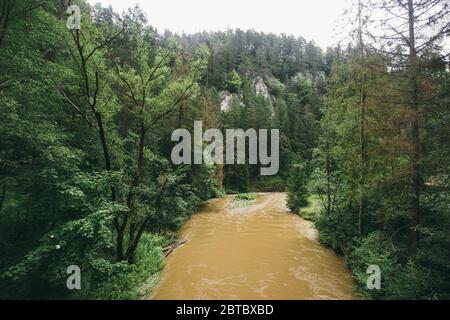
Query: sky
x=312, y=19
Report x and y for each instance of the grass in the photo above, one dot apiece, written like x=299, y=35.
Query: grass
x=312, y=210
x=245, y=197
x=242, y=200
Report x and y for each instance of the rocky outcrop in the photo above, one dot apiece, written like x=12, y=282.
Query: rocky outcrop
x=260, y=87
x=225, y=100
x=307, y=76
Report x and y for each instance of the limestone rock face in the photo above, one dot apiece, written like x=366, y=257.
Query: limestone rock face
x=225, y=98
x=260, y=87
x=307, y=76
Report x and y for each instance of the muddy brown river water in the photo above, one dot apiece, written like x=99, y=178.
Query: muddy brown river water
x=256, y=252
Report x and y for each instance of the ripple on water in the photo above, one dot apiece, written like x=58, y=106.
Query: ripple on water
x=258, y=252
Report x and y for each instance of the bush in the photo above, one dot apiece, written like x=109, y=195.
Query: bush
x=277, y=88
x=337, y=230
x=268, y=184
x=236, y=178
x=234, y=82
x=125, y=281
x=399, y=280
x=298, y=186
x=373, y=250
x=245, y=197
x=312, y=210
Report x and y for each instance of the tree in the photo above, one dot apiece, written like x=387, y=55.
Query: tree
x=362, y=123
x=297, y=184
x=234, y=82
x=150, y=90
x=408, y=30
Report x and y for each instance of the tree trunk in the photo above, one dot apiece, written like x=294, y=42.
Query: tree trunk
x=328, y=165
x=130, y=200
x=362, y=128
x=363, y=155
x=119, y=241
x=219, y=175
x=414, y=101
x=133, y=245
x=180, y=115
x=2, y=197
x=4, y=18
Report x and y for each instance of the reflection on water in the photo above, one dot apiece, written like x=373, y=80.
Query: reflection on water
x=256, y=252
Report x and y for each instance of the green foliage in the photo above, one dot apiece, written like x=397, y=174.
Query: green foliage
x=292, y=69
x=337, y=230
x=234, y=82
x=69, y=158
x=79, y=242
x=85, y=158
x=245, y=197
x=312, y=211
x=400, y=280
x=277, y=88
x=298, y=192
x=412, y=251
x=268, y=184
x=375, y=249
x=123, y=281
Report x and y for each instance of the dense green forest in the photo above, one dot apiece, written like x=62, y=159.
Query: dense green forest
x=87, y=116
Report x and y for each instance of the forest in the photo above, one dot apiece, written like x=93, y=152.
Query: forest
x=86, y=176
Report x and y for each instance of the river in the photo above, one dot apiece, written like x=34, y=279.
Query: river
x=257, y=252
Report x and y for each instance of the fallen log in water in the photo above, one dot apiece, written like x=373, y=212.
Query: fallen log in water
x=168, y=250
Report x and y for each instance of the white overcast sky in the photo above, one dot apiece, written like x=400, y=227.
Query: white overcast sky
x=312, y=19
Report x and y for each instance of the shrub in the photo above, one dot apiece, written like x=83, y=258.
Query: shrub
x=298, y=186
x=234, y=82
x=404, y=280
x=245, y=197
x=268, y=184
x=338, y=229
x=125, y=280
x=312, y=210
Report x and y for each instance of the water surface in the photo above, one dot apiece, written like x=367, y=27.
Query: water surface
x=256, y=252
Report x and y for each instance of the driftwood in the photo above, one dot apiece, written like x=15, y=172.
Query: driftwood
x=168, y=250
